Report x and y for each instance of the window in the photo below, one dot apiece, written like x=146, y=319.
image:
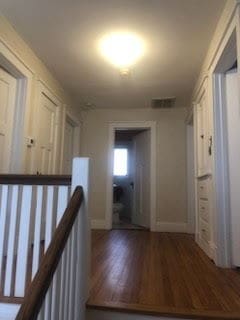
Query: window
x=120, y=167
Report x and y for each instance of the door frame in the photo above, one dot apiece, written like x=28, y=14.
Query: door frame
x=222, y=219
x=68, y=114
x=191, y=212
x=113, y=126
x=24, y=76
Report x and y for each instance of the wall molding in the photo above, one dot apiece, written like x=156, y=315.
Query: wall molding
x=98, y=224
x=171, y=227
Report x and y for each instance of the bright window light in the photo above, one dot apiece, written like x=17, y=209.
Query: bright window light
x=122, y=49
x=120, y=167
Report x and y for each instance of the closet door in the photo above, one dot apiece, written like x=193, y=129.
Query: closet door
x=47, y=132
x=7, y=104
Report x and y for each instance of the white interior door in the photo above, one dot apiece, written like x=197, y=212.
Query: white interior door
x=68, y=150
x=233, y=134
x=141, y=212
x=7, y=103
x=46, y=135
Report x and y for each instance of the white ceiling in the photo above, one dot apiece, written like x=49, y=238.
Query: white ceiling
x=64, y=34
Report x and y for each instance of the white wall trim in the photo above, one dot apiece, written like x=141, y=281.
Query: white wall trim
x=221, y=207
x=172, y=227
x=98, y=224
x=69, y=114
x=109, y=194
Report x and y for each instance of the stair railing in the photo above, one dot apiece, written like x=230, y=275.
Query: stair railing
x=54, y=284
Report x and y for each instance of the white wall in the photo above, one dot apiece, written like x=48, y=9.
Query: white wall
x=171, y=161
x=26, y=57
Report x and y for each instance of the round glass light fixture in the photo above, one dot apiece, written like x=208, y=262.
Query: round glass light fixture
x=122, y=49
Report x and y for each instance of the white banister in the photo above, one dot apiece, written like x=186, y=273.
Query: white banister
x=70, y=285
x=29, y=215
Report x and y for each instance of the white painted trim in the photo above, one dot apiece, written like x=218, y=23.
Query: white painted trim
x=221, y=201
x=171, y=227
x=190, y=168
x=153, y=193
x=98, y=224
x=221, y=187
x=24, y=77
x=68, y=113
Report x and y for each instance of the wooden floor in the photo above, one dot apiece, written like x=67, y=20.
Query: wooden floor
x=160, y=274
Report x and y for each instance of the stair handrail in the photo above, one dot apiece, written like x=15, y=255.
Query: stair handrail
x=35, y=179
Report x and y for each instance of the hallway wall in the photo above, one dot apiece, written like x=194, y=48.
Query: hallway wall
x=171, y=162
x=19, y=48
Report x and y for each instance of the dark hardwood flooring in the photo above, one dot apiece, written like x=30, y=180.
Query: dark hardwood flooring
x=160, y=274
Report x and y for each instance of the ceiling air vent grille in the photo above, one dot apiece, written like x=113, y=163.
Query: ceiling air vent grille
x=163, y=103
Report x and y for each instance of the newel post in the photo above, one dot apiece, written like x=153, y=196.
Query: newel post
x=80, y=177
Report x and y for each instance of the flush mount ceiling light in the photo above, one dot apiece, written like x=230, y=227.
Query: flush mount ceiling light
x=122, y=49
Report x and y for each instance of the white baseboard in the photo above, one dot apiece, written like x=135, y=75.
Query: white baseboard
x=171, y=227
x=98, y=224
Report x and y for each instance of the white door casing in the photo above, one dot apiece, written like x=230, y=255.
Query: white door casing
x=141, y=212
x=151, y=125
x=68, y=150
x=7, y=105
x=233, y=140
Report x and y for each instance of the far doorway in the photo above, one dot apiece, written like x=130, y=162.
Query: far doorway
x=131, y=179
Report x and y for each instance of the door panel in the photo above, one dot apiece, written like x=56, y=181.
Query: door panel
x=7, y=104
x=46, y=133
x=141, y=212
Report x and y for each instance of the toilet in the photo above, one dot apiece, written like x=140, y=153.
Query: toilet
x=117, y=209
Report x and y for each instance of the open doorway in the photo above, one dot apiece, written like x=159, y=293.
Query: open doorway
x=227, y=146
x=131, y=179
x=133, y=193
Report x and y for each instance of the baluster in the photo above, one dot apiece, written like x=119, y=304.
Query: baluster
x=37, y=230
x=72, y=280
x=3, y=216
x=49, y=217
x=22, y=252
x=11, y=240
x=67, y=279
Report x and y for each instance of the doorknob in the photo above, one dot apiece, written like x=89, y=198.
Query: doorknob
x=132, y=185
